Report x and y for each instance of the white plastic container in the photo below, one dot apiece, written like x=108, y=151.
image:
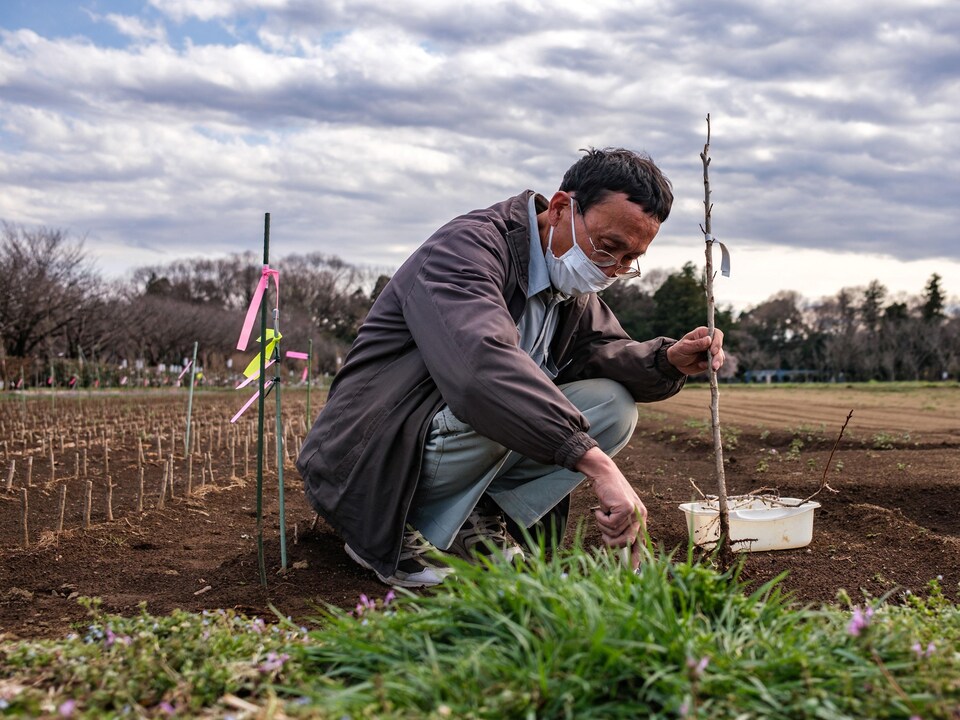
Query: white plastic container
x=759, y=523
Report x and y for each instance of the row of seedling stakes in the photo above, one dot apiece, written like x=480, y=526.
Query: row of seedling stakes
x=95, y=446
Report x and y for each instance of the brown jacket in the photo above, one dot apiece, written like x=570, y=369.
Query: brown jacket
x=444, y=330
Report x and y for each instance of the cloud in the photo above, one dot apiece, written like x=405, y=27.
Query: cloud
x=363, y=126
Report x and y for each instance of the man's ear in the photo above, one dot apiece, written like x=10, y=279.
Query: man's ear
x=558, y=202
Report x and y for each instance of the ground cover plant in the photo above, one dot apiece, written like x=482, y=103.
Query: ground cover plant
x=575, y=635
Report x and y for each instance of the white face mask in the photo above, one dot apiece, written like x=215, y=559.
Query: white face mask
x=573, y=273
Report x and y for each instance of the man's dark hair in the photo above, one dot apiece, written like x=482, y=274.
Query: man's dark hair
x=600, y=173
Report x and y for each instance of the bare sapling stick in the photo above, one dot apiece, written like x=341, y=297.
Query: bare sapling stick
x=53, y=466
x=210, y=468
x=76, y=464
x=233, y=461
x=725, y=548
x=29, y=471
x=159, y=447
x=109, y=498
x=23, y=522
x=190, y=475
x=63, y=508
x=87, y=505
x=12, y=469
x=163, y=490
x=106, y=457
x=246, y=457
x=84, y=462
x=140, y=491
x=203, y=474
x=140, y=452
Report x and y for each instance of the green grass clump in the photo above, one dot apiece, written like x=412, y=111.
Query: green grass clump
x=572, y=636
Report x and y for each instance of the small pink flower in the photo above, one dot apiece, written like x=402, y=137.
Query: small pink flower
x=273, y=662
x=66, y=708
x=860, y=621
x=698, y=666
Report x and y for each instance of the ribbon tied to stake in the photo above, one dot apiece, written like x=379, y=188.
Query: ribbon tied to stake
x=252, y=371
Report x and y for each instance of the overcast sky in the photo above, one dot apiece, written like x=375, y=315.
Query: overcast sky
x=164, y=129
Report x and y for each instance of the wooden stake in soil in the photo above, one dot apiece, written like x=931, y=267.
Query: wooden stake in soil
x=23, y=515
x=109, y=498
x=53, y=466
x=140, y=492
x=190, y=475
x=30, y=471
x=725, y=547
x=87, y=505
x=10, y=472
x=63, y=508
x=163, y=490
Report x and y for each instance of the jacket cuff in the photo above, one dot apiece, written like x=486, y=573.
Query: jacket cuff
x=663, y=365
x=573, y=449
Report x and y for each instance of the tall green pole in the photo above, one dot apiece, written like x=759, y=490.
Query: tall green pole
x=309, y=374
x=276, y=390
x=263, y=343
x=186, y=435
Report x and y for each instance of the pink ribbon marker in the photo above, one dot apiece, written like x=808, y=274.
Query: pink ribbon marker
x=249, y=402
x=254, y=376
x=184, y=371
x=303, y=378
x=255, y=304
x=297, y=355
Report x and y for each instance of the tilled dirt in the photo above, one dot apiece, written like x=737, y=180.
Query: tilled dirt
x=891, y=526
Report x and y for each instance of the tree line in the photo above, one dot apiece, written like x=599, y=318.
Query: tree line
x=62, y=322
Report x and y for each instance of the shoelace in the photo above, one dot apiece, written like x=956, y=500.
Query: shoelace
x=489, y=527
x=414, y=545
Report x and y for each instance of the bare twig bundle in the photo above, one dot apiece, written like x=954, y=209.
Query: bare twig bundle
x=826, y=468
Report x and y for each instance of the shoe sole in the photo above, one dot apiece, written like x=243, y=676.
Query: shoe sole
x=394, y=580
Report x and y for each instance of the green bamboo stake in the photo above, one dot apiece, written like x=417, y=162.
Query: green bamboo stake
x=193, y=371
x=276, y=390
x=309, y=373
x=263, y=341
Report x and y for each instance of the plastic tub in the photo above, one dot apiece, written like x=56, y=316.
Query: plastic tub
x=760, y=523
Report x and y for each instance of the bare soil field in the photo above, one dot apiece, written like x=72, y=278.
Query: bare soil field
x=892, y=526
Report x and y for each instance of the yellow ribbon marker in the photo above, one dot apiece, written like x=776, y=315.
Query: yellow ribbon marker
x=253, y=369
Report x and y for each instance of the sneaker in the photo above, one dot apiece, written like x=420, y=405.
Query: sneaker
x=485, y=533
x=413, y=570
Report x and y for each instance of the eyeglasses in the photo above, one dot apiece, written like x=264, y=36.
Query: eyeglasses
x=603, y=259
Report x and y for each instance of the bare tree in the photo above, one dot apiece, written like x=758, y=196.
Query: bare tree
x=48, y=285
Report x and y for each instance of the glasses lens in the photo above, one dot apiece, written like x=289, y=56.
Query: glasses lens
x=601, y=258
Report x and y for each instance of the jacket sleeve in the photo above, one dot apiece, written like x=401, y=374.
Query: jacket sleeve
x=601, y=348
x=455, y=310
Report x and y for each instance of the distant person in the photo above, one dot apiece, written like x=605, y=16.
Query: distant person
x=489, y=379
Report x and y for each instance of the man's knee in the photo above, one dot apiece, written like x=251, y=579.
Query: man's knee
x=608, y=406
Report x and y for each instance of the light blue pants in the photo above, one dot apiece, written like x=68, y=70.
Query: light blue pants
x=460, y=465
